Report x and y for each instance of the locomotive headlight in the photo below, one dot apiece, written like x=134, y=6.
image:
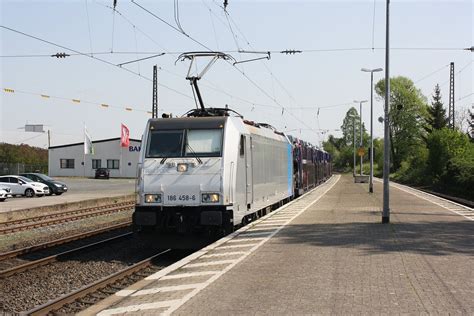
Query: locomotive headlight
x=210, y=198
x=182, y=167
x=152, y=198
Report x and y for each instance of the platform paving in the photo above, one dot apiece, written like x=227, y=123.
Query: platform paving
x=325, y=253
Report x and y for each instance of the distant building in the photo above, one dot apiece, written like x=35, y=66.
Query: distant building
x=70, y=161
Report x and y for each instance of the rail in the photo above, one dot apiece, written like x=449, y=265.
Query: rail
x=56, y=304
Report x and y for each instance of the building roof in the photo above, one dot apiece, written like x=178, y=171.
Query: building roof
x=94, y=142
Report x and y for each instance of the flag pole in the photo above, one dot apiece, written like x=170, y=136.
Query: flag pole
x=84, y=153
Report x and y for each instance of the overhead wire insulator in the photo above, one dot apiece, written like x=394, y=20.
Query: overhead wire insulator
x=291, y=52
x=60, y=55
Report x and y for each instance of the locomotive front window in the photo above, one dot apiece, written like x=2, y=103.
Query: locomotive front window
x=185, y=143
x=203, y=143
x=165, y=144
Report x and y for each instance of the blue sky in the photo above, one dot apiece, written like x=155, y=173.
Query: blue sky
x=300, y=83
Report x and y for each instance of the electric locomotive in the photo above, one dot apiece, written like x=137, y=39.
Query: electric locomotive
x=210, y=173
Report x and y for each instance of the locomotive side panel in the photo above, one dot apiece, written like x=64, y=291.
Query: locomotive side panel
x=271, y=170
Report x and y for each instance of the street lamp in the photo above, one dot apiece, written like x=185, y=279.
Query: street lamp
x=360, y=126
x=386, y=132
x=371, y=181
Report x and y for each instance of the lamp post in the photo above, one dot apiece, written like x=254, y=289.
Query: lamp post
x=371, y=181
x=360, y=127
x=386, y=135
x=354, y=145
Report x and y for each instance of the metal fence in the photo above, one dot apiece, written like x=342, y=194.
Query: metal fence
x=16, y=168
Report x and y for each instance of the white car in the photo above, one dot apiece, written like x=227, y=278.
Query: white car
x=19, y=185
x=4, y=194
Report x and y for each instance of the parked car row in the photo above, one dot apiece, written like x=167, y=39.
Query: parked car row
x=30, y=185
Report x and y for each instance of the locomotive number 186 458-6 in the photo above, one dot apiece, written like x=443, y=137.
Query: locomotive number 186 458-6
x=181, y=197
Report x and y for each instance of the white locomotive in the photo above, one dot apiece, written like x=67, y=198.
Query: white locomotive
x=215, y=171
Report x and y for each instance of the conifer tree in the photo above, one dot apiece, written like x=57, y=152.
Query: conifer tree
x=436, y=113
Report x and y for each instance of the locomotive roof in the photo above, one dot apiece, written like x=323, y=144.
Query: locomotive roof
x=188, y=122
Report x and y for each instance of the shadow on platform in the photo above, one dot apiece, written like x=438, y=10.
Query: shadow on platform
x=431, y=238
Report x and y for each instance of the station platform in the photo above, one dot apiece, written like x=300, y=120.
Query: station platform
x=324, y=253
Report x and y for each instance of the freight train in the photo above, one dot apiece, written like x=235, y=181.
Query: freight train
x=211, y=171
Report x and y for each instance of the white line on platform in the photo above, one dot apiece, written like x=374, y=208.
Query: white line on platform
x=167, y=289
x=188, y=275
x=237, y=246
x=429, y=197
x=206, y=264
x=224, y=254
x=139, y=307
x=235, y=240
x=256, y=234
x=270, y=224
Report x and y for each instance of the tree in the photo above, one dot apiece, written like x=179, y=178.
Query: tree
x=347, y=127
x=436, y=113
x=408, y=111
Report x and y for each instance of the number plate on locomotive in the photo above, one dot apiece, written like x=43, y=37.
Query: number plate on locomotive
x=181, y=198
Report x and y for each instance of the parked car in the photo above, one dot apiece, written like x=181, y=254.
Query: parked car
x=55, y=186
x=102, y=173
x=4, y=194
x=19, y=185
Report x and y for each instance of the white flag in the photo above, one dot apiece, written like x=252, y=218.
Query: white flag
x=88, y=148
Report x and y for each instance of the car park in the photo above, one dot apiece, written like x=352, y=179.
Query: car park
x=103, y=173
x=55, y=186
x=4, y=194
x=19, y=185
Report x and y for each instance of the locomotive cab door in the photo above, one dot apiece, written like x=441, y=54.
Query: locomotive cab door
x=248, y=168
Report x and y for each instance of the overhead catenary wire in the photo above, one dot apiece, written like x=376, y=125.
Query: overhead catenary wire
x=113, y=26
x=431, y=74
x=136, y=48
x=95, y=58
x=373, y=26
x=282, y=51
x=89, y=26
x=176, y=16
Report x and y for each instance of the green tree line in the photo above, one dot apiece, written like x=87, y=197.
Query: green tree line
x=424, y=150
x=23, y=154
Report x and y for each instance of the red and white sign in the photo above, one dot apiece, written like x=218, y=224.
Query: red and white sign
x=124, y=136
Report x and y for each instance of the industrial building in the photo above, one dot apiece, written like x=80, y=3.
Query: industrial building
x=70, y=161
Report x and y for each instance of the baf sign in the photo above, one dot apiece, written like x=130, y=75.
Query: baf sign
x=36, y=128
x=134, y=148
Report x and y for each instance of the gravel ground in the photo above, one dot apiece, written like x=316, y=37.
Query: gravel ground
x=31, y=288
x=43, y=234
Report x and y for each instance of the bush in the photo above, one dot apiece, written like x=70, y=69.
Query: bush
x=414, y=169
x=459, y=175
x=444, y=145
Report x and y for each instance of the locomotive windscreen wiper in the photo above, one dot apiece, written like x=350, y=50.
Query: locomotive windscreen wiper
x=193, y=153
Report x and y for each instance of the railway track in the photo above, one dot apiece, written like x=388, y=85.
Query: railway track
x=94, y=292
x=56, y=218
x=49, y=244
x=11, y=264
x=41, y=277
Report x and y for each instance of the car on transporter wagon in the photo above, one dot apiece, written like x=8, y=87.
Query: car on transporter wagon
x=19, y=185
x=55, y=186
